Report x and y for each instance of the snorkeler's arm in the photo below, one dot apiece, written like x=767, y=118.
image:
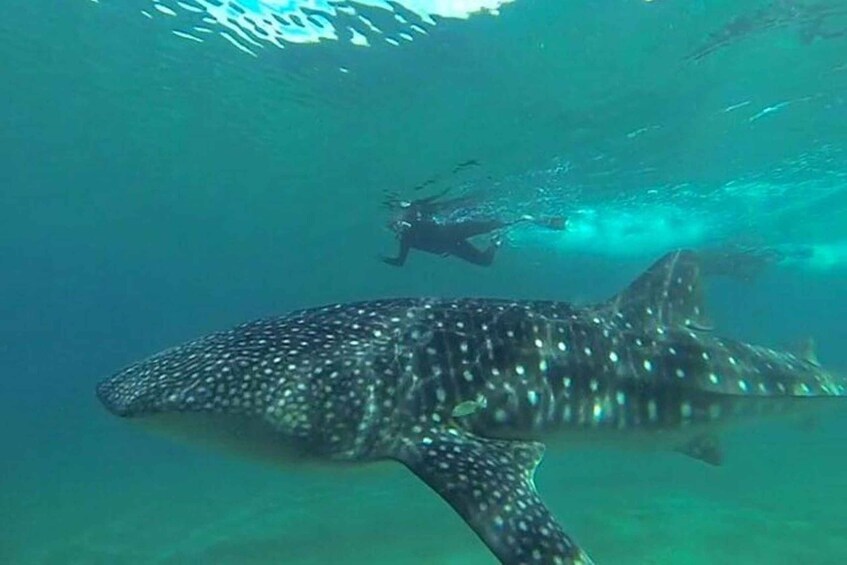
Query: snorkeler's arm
x=401, y=256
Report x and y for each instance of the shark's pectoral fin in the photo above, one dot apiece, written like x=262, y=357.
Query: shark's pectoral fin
x=490, y=484
x=705, y=448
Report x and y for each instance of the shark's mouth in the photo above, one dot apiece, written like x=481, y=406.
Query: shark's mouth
x=252, y=24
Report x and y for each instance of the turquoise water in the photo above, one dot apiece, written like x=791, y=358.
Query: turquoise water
x=156, y=187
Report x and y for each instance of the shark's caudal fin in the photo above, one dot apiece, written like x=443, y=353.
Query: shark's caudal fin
x=669, y=293
x=490, y=484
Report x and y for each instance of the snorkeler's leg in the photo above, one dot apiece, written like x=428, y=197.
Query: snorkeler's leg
x=465, y=230
x=466, y=251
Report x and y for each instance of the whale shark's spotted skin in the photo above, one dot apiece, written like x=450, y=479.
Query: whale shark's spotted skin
x=464, y=392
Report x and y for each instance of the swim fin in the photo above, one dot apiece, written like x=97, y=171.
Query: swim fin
x=558, y=223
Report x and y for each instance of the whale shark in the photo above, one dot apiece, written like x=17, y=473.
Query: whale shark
x=468, y=393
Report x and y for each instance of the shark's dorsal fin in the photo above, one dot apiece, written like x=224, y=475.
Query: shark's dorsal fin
x=490, y=484
x=669, y=293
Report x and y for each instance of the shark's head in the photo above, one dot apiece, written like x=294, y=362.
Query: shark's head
x=154, y=386
x=280, y=377
x=230, y=389
x=243, y=371
x=231, y=372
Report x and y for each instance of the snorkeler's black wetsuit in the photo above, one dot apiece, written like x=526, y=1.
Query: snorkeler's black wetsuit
x=419, y=229
x=447, y=239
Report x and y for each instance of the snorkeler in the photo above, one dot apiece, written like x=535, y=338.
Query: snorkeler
x=419, y=228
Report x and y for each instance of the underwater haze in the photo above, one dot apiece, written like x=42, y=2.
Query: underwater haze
x=172, y=168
